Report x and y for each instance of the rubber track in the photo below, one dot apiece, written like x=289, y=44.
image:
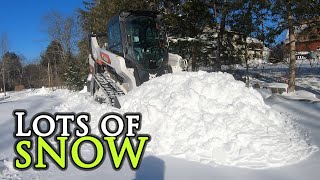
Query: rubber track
x=110, y=89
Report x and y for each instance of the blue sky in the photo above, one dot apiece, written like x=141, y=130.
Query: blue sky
x=22, y=21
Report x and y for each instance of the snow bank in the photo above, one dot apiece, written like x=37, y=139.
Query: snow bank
x=301, y=95
x=43, y=91
x=212, y=118
x=277, y=85
x=82, y=102
x=4, y=97
x=265, y=93
x=309, y=83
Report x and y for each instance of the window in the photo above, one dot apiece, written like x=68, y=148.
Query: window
x=145, y=41
x=114, y=38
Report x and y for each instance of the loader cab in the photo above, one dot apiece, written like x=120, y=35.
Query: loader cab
x=144, y=43
x=140, y=37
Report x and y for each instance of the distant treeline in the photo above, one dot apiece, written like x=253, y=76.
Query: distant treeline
x=205, y=32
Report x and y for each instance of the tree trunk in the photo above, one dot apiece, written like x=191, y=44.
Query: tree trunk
x=3, y=78
x=246, y=61
x=193, y=58
x=8, y=78
x=220, y=39
x=263, y=38
x=292, y=50
x=49, y=76
x=56, y=74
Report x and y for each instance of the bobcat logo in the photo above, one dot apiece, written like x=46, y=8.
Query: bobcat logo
x=151, y=76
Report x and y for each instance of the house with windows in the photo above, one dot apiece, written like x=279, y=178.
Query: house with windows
x=307, y=40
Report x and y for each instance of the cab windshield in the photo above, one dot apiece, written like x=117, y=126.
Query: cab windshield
x=144, y=41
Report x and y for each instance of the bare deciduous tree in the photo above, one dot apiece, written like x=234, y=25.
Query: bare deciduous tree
x=64, y=30
x=3, y=50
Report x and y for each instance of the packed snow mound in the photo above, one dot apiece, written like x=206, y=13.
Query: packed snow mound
x=212, y=118
x=43, y=91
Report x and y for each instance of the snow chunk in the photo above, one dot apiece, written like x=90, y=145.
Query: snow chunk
x=84, y=90
x=212, y=118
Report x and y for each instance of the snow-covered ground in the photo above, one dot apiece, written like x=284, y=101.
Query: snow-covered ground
x=307, y=75
x=203, y=126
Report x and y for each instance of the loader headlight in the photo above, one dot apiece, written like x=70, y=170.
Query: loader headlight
x=183, y=63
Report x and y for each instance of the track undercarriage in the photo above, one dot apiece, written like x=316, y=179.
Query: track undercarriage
x=105, y=89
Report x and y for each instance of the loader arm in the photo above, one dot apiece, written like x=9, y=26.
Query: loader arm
x=104, y=57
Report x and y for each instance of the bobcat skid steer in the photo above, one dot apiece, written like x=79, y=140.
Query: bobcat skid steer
x=136, y=51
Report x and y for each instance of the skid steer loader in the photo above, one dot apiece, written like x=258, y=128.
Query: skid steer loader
x=136, y=50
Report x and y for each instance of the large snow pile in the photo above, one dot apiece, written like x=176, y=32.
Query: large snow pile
x=212, y=118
